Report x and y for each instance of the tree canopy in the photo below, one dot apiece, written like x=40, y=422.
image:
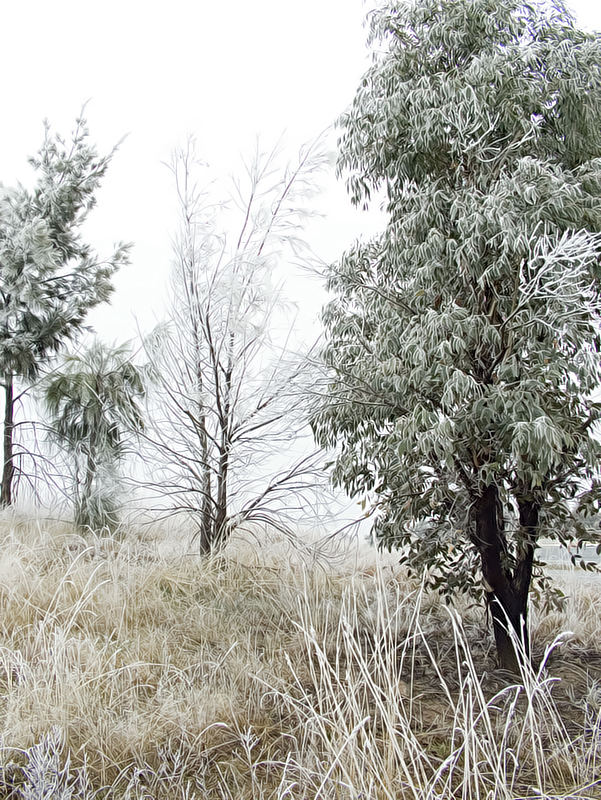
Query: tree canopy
x=228, y=406
x=463, y=341
x=49, y=276
x=93, y=400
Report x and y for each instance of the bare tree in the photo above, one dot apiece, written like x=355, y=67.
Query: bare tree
x=227, y=410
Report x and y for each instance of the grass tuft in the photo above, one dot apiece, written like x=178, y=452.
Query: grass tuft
x=130, y=668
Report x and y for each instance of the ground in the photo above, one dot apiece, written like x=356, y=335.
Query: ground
x=130, y=667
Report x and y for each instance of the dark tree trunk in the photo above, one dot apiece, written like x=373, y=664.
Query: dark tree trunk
x=222, y=499
x=8, y=470
x=206, y=535
x=213, y=520
x=207, y=517
x=222, y=530
x=506, y=589
x=206, y=513
x=522, y=576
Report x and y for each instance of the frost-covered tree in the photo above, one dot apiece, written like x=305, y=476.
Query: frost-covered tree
x=49, y=277
x=93, y=401
x=229, y=404
x=463, y=341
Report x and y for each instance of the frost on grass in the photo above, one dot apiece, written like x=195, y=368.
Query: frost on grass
x=130, y=670
x=45, y=772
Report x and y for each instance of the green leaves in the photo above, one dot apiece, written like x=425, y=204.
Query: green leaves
x=94, y=396
x=50, y=278
x=463, y=341
x=94, y=407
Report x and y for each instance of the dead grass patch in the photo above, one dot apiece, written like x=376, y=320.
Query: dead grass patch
x=129, y=668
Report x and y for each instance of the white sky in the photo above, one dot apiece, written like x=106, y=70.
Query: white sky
x=157, y=71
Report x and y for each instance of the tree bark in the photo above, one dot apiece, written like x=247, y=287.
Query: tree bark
x=522, y=577
x=222, y=499
x=206, y=513
x=506, y=590
x=83, y=516
x=90, y=474
x=207, y=522
x=8, y=470
x=221, y=532
x=195, y=306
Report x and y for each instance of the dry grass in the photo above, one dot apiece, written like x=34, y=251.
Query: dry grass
x=129, y=668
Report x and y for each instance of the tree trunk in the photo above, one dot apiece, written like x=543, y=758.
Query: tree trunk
x=205, y=536
x=522, y=576
x=207, y=522
x=83, y=510
x=506, y=592
x=221, y=532
x=221, y=510
x=8, y=470
x=206, y=512
x=508, y=612
x=90, y=474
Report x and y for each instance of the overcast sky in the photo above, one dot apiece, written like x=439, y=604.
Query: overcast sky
x=158, y=71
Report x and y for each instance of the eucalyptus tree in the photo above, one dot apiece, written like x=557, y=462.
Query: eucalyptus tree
x=463, y=342
x=93, y=401
x=49, y=277
x=228, y=405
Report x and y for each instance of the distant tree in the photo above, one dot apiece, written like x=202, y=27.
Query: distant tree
x=49, y=278
x=93, y=401
x=227, y=407
x=463, y=342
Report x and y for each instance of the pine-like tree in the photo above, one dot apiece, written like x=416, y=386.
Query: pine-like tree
x=463, y=341
x=49, y=277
